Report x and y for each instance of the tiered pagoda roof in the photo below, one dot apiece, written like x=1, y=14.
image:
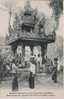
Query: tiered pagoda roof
x=29, y=27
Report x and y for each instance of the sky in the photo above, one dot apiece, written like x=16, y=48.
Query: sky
x=42, y=5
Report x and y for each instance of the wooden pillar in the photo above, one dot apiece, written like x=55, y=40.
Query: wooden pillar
x=43, y=52
x=23, y=51
x=14, y=47
x=31, y=47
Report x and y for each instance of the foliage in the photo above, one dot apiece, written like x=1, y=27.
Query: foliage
x=57, y=6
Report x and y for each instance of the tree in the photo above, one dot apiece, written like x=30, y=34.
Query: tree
x=9, y=6
x=60, y=46
x=57, y=6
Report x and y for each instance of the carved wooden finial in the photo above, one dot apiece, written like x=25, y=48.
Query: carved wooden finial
x=27, y=7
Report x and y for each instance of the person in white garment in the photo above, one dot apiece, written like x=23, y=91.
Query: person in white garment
x=15, y=78
x=32, y=65
x=32, y=72
x=39, y=63
x=14, y=68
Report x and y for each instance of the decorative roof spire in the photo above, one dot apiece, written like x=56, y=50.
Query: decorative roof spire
x=27, y=7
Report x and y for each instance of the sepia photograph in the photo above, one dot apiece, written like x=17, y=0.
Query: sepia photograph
x=31, y=46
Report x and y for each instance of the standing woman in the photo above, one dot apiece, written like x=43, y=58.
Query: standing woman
x=15, y=78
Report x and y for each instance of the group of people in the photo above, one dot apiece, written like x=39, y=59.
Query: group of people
x=32, y=71
x=34, y=67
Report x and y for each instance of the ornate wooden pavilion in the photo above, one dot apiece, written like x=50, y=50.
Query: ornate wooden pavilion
x=28, y=30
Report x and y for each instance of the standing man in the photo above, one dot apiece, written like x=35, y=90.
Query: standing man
x=54, y=76
x=1, y=69
x=38, y=63
x=15, y=78
x=32, y=72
